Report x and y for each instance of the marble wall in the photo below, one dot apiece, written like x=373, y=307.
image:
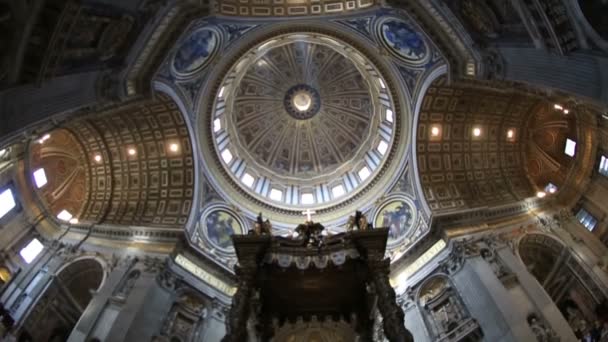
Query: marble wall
x=500, y=296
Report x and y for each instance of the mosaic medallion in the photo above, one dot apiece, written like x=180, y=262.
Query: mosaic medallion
x=195, y=52
x=218, y=227
x=403, y=41
x=398, y=215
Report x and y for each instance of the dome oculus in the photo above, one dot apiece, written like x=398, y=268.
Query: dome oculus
x=302, y=102
x=302, y=116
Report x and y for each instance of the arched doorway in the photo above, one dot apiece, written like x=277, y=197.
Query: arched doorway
x=565, y=280
x=64, y=300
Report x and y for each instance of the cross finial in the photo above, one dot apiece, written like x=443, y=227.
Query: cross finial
x=308, y=214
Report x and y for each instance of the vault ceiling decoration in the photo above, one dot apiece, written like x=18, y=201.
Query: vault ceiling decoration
x=67, y=37
x=548, y=130
x=460, y=170
x=302, y=115
x=276, y=117
x=68, y=175
x=302, y=122
x=481, y=147
x=286, y=8
x=130, y=166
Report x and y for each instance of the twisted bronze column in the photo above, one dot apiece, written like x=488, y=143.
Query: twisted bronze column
x=392, y=314
x=236, y=322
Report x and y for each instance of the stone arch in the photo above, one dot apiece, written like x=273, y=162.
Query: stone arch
x=185, y=110
x=65, y=298
x=539, y=252
x=431, y=78
x=571, y=286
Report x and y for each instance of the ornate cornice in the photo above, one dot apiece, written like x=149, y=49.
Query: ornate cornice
x=164, y=32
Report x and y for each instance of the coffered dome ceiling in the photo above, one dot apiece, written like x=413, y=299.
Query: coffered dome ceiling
x=283, y=122
x=303, y=120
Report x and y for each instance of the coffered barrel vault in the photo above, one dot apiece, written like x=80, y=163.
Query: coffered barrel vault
x=467, y=156
x=134, y=166
x=144, y=143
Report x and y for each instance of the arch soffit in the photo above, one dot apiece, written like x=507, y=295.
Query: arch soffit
x=79, y=128
x=103, y=264
x=435, y=74
x=178, y=98
x=586, y=25
x=539, y=238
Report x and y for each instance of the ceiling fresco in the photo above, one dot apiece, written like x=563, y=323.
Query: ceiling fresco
x=319, y=134
x=226, y=119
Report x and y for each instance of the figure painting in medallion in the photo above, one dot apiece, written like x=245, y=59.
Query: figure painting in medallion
x=194, y=51
x=403, y=40
x=397, y=217
x=220, y=226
